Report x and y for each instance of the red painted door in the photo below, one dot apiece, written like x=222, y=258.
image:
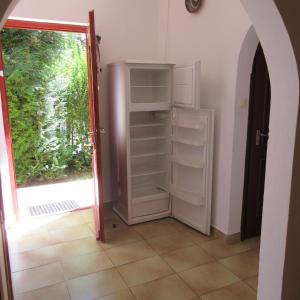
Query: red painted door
x=94, y=70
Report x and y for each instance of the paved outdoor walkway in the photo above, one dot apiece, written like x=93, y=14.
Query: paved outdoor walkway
x=81, y=191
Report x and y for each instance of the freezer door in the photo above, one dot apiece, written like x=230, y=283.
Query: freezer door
x=186, y=86
x=191, y=176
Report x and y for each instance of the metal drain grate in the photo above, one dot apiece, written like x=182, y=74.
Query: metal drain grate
x=52, y=208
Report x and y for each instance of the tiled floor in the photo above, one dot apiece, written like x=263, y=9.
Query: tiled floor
x=57, y=258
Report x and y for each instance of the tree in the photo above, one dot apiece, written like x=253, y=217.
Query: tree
x=46, y=77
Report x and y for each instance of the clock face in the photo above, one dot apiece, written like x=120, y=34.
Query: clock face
x=193, y=5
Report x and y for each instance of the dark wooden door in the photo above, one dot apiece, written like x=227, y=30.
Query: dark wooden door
x=93, y=61
x=257, y=144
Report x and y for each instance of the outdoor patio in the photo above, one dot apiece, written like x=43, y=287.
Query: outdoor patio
x=80, y=192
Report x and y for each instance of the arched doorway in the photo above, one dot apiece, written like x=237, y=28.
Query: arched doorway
x=284, y=78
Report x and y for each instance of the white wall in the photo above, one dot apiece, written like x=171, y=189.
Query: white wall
x=241, y=111
x=128, y=30
x=5, y=178
x=214, y=35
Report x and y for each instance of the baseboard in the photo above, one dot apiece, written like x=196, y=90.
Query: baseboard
x=233, y=238
x=227, y=238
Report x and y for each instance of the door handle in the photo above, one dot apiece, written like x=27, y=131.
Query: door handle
x=260, y=135
x=264, y=135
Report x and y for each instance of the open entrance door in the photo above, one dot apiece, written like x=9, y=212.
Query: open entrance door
x=93, y=81
x=94, y=70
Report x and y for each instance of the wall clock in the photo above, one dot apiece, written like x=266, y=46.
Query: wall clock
x=193, y=5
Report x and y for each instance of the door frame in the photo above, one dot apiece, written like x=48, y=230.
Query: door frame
x=7, y=281
x=44, y=26
x=247, y=158
x=8, y=139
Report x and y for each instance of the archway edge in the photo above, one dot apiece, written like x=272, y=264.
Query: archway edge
x=284, y=78
x=244, y=69
x=5, y=11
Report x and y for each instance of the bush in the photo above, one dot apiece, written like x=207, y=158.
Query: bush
x=47, y=88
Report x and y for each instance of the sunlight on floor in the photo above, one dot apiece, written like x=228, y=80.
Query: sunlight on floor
x=81, y=191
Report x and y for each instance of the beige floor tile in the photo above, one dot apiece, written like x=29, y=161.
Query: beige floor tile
x=96, y=285
x=36, y=278
x=166, y=243
x=77, y=247
x=120, y=237
x=152, y=229
x=55, y=292
x=187, y=258
x=87, y=215
x=171, y=287
x=114, y=224
x=178, y=226
x=32, y=258
x=129, y=253
x=66, y=220
x=252, y=282
x=144, y=271
x=85, y=264
x=69, y=239
x=236, y=291
x=253, y=243
x=244, y=265
x=70, y=234
x=219, y=249
x=193, y=234
x=209, y=277
x=123, y=295
x=198, y=237
x=30, y=242
x=92, y=227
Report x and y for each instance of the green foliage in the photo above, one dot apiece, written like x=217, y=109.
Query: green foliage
x=46, y=78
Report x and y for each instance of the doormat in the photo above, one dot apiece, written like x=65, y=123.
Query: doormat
x=53, y=208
